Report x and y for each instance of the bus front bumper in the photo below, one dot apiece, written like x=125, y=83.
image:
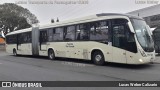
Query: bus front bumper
x=149, y=59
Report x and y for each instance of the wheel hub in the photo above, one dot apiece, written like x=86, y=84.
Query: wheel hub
x=98, y=58
x=51, y=55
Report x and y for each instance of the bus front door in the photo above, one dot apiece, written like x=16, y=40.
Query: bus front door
x=119, y=40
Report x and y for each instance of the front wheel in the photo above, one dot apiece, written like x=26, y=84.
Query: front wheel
x=51, y=55
x=98, y=58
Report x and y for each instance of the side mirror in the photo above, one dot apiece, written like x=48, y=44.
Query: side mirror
x=149, y=30
x=131, y=27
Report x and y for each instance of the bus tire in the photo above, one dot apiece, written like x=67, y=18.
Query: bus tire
x=98, y=58
x=51, y=54
x=14, y=52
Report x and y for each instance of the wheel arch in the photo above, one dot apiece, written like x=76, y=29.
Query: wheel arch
x=97, y=49
x=50, y=49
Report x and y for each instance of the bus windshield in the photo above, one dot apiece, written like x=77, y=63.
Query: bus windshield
x=143, y=35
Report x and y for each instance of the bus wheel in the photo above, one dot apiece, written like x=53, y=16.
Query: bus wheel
x=98, y=58
x=14, y=52
x=51, y=54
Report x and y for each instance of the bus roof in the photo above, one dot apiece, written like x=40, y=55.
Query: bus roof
x=89, y=19
x=20, y=31
x=116, y=14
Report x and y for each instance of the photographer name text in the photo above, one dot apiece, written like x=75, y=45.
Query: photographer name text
x=147, y=1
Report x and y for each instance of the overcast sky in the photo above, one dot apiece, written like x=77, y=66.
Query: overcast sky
x=45, y=12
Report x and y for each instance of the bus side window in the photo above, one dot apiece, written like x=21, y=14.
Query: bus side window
x=20, y=38
x=119, y=36
x=50, y=35
x=43, y=36
x=27, y=37
x=70, y=33
x=58, y=34
x=122, y=36
x=11, y=39
x=84, y=34
x=99, y=31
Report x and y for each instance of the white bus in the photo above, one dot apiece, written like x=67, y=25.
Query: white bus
x=106, y=37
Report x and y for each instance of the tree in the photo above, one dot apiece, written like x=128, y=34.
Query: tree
x=14, y=17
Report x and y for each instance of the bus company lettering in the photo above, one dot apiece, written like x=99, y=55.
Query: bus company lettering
x=69, y=45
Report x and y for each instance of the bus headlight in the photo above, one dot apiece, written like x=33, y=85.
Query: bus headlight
x=140, y=60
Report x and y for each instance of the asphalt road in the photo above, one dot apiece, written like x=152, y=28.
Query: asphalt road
x=28, y=68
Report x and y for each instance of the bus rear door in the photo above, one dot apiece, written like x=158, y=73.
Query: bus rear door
x=43, y=40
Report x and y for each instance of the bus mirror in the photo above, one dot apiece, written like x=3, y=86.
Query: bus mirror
x=130, y=27
x=149, y=30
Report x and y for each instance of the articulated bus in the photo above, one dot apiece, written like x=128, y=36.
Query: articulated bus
x=106, y=37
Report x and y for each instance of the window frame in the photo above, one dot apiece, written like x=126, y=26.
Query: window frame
x=66, y=30
x=108, y=32
x=54, y=32
x=8, y=41
x=40, y=38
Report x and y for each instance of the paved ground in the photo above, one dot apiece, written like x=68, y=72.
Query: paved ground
x=28, y=68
